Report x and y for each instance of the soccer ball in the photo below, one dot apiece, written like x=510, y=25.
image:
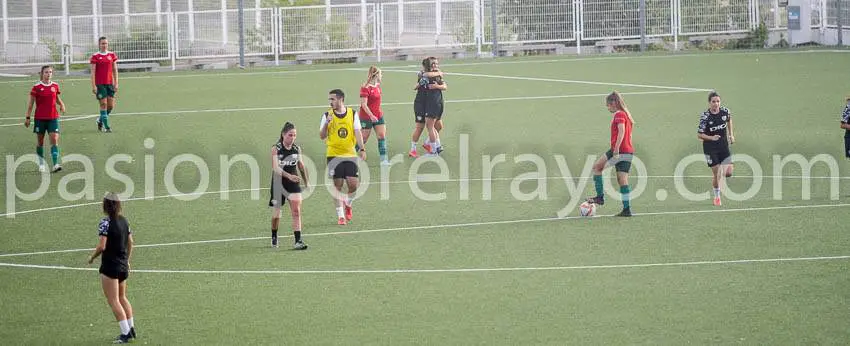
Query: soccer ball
x=587, y=209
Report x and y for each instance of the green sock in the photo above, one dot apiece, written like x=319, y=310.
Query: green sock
x=40, y=152
x=597, y=182
x=104, y=118
x=54, y=154
x=382, y=146
x=625, y=191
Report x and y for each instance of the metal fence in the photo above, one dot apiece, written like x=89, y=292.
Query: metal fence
x=174, y=30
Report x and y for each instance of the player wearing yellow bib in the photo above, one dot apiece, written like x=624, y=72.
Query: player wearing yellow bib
x=340, y=129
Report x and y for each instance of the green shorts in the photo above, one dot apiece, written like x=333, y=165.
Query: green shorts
x=624, y=164
x=42, y=126
x=105, y=90
x=366, y=124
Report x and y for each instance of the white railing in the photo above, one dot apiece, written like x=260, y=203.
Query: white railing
x=372, y=28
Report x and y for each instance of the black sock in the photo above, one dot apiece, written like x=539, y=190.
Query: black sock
x=297, y=236
x=274, y=233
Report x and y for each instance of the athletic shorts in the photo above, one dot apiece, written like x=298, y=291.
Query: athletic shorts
x=368, y=124
x=114, y=273
x=105, y=90
x=343, y=167
x=288, y=189
x=424, y=109
x=42, y=126
x=847, y=147
x=717, y=156
x=624, y=164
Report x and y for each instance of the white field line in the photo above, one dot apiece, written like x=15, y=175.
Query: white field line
x=486, y=62
x=456, y=270
x=70, y=206
x=457, y=225
x=257, y=109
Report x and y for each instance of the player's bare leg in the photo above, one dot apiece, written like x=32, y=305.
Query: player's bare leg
x=716, y=172
x=295, y=211
x=381, y=133
x=339, y=201
x=39, y=150
x=623, y=181
x=54, y=151
x=275, y=224
x=353, y=184
x=414, y=138
x=598, y=167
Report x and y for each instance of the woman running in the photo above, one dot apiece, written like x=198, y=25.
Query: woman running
x=45, y=96
x=715, y=132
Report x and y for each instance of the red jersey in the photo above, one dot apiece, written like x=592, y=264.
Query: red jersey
x=373, y=100
x=626, y=146
x=45, y=100
x=103, y=67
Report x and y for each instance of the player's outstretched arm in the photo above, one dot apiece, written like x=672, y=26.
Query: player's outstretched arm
x=101, y=245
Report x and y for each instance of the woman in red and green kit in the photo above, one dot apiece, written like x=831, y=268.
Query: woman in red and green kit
x=45, y=96
x=104, y=81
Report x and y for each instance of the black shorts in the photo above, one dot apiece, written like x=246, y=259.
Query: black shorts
x=717, y=156
x=424, y=109
x=288, y=188
x=343, y=167
x=624, y=164
x=847, y=147
x=113, y=272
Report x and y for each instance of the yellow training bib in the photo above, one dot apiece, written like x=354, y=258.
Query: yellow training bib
x=341, y=141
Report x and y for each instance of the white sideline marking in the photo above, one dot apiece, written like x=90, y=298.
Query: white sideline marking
x=69, y=206
x=191, y=75
x=457, y=225
x=567, y=81
x=602, y=58
x=255, y=109
x=454, y=270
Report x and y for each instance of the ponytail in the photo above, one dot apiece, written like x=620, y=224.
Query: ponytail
x=617, y=100
x=373, y=73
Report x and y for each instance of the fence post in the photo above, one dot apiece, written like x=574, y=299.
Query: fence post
x=276, y=35
x=642, y=20
x=378, y=29
x=258, y=19
x=840, y=24
x=438, y=18
x=66, y=46
x=241, y=27
x=172, y=36
x=494, y=27
x=34, y=22
x=400, y=8
x=363, y=20
x=327, y=11
x=224, y=37
x=94, y=20
x=190, y=7
x=5, y=22
x=127, y=16
x=673, y=27
x=157, y=8
x=476, y=25
x=578, y=9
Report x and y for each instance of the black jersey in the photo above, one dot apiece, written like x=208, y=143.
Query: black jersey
x=425, y=94
x=845, y=119
x=715, y=124
x=117, y=233
x=288, y=158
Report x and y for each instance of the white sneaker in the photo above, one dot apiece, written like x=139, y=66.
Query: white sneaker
x=41, y=168
x=57, y=168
